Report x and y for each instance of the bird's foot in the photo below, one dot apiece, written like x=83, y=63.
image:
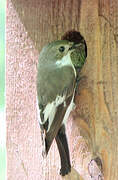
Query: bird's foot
x=65, y=170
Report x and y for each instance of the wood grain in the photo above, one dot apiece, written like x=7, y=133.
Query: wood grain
x=30, y=25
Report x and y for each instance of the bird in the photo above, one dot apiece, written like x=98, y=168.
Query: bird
x=59, y=65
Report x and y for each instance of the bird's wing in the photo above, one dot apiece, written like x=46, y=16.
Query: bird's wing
x=61, y=114
x=55, y=118
x=54, y=100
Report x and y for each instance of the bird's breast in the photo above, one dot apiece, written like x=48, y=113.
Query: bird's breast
x=65, y=61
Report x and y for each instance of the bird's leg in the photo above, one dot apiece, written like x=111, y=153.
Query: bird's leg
x=62, y=144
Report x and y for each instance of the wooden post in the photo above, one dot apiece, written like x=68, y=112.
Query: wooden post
x=30, y=25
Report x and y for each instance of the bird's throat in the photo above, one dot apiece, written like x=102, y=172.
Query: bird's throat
x=65, y=61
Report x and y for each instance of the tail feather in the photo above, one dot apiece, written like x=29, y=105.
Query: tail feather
x=62, y=144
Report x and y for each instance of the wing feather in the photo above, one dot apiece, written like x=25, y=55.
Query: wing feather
x=55, y=88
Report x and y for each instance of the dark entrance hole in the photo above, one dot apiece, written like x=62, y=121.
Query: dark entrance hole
x=74, y=36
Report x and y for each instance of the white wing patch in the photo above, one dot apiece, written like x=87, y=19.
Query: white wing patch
x=50, y=110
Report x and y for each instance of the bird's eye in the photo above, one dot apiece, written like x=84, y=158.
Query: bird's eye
x=61, y=49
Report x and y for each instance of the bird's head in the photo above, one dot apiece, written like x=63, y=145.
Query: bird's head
x=56, y=50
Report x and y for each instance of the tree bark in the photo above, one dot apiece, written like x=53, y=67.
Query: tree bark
x=30, y=25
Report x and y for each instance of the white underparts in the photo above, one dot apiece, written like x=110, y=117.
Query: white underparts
x=65, y=61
